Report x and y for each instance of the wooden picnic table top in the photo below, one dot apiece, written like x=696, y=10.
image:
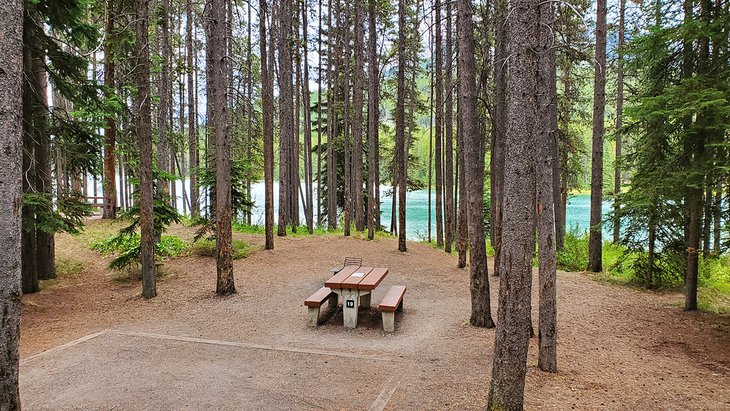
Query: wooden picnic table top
x=357, y=278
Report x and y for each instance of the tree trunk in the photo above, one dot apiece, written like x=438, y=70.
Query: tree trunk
x=463, y=219
x=448, y=141
x=286, y=114
x=267, y=110
x=513, y=324
x=707, y=222
x=109, y=210
x=319, y=113
x=595, y=241
x=357, y=126
x=192, y=115
x=499, y=126
x=165, y=96
x=347, y=206
x=11, y=136
x=373, y=122
x=430, y=129
x=45, y=242
x=331, y=122
x=717, y=217
x=695, y=166
x=619, y=123
x=309, y=195
x=438, y=154
x=400, y=137
x=481, y=315
x=223, y=212
x=294, y=176
x=650, y=252
x=144, y=145
x=30, y=134
x=546, y=139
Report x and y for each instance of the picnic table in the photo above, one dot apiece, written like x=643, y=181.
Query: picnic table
x=355, y=285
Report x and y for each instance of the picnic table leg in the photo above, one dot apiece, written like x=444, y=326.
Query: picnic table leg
x=313, y=316
x=365, y=300
x=351, y=301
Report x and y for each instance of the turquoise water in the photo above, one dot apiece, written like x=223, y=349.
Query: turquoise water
x=578, y=213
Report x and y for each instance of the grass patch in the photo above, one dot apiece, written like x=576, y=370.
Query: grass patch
x=206, y=248
x=627, y=268
x=249, y=229
x=68, y=267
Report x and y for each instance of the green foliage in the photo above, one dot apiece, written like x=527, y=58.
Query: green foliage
x=239, y=198
x=207, y=248
x=67, y=217
x=127, y=249
x=248, y=229
x=127, y=241
x=574, y=255
x=164, y=213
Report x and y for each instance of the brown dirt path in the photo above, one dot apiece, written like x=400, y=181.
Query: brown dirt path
x=619, y=348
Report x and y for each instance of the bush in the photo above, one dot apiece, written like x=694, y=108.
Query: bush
x=206, y=248
x=127, y=248
x=574, y=255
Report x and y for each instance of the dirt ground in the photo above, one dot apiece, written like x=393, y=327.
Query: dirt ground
x=618, y=348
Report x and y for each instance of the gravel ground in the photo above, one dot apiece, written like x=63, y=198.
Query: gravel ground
x=618, y=347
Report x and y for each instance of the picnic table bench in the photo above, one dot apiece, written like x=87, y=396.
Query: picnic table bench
x=355, y=284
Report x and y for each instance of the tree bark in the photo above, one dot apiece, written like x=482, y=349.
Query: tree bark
x=438, y=154
x=499, y=125
x=481, y=315
x=30, y=134
x=448, y=140
x=547, y=142
x=309, y=195
x=45, y=241
x=463, y=219
x=619, y=123
x=717, y=212
x=11, y=132
x=319, y=113
x=144, y=145
x=707, y=221
x=595, y=241
x=695, y=192
x=192, y=115
x=223, y=215
x=347, y=117
x=400, y=137
x=286, y=115
x=267, y=110
x=513, y=324
x=109, y=210
x=331, y=121
x=373, y=121
x=430, y=129
x=357, y=126
x=165, y=102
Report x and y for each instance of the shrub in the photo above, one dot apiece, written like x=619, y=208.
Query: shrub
x=206, y=248
x=574, y=255
x=127, y=248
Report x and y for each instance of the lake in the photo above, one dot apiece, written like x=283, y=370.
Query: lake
x=578, y=213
